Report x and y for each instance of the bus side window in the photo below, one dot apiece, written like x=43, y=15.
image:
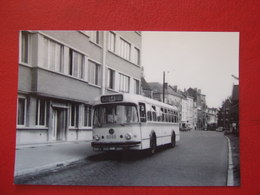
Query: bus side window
x=162, y=114
x=142, y=112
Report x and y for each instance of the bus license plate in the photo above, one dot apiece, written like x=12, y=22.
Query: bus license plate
x=111, y=136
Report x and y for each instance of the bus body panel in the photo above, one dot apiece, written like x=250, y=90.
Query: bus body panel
x=140, y=132
x=163, y=132
x=118, y=138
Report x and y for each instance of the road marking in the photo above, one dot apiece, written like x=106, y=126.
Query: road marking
x=230, y=175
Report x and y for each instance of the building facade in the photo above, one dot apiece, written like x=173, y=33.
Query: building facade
x=200, y=106
x=62, y=72
x=171, y=96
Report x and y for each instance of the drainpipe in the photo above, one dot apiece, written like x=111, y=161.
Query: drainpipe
x=103, y=84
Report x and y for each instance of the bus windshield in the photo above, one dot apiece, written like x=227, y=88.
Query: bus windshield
x=123, y=113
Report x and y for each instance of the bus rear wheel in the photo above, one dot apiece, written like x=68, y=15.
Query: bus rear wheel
x=153, y=144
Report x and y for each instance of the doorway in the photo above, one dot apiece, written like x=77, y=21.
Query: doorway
x=59, y=124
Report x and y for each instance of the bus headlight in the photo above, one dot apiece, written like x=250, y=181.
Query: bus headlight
x=128, y=136
x=96, y=137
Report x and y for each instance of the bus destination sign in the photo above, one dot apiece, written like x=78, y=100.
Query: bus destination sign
x=111, y=98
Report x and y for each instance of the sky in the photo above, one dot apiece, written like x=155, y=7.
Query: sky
x=203, y=60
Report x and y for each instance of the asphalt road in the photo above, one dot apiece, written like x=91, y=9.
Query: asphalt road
x=199, y=159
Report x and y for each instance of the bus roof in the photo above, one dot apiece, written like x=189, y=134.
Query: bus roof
x=134, y=98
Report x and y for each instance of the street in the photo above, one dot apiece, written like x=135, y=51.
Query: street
x=199, y=159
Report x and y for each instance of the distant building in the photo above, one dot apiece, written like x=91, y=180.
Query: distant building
x=171, y=96
x=212, y=118
x=60, y=74
x=146, y=89
x=201, y=106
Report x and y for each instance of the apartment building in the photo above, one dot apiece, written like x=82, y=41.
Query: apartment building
x=62, y=72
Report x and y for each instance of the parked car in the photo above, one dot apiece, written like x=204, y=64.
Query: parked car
x=219, y=129
x=184, y=127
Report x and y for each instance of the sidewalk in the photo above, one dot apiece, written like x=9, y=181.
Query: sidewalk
x=234, y=141
x=36, y=158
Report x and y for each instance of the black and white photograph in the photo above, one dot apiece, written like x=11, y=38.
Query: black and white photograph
x=127, y=108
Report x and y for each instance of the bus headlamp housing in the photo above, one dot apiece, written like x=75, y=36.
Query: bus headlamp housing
x=96, y=137
x=128, y=136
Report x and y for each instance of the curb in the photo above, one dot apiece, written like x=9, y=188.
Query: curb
x=230, y=175
x=45, y=168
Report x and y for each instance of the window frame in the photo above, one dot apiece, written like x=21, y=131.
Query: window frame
x=112, y=42
x=24, y=113
x=76, y=64
x=136, y=86
x=28, y=47
x=89, y=116
x=125, y=49
x=110, y=79
x=75, y=117
x=97, y=73
x=51, y=60
x=142, y=114
x=38, y=112
x=123, y=85
x=137, y=54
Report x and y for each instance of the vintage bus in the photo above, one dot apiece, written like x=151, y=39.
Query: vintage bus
x=133, y=122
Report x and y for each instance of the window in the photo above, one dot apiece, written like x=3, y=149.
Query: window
x=76, y=64
x=123, y=113
x=95, y=36
x=94, y=76
x=111, y=79
x=25, y=47
x=41, y=112
x=149, y=116
x=154, y=117
x=53, y=55
x=21, y=111
x=73, y=115
x=142, y=112
x=87, y=116
x=136, y=56
x=124, y=49
x=124, y=83
x=111, y=41
x=136, y=86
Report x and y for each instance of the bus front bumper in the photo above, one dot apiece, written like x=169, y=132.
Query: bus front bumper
x=115, y=145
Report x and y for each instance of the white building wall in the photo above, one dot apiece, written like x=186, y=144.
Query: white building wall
x=184, y=112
